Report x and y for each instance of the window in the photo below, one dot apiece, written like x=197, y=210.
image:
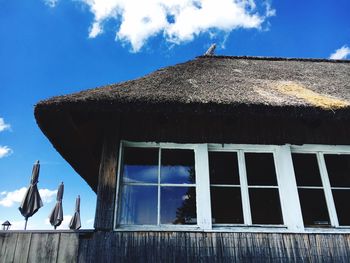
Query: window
x=247, y=197
x=263, y=188
x=323, y=182
x=225, y=188
x=232, y=187
x=338, y=168
x=157, y=187
x=310, y=189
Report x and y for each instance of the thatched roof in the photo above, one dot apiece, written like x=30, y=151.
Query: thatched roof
x=207, y=85
x=222, y=81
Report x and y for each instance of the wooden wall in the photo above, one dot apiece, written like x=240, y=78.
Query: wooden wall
x=213, y=247
x=38, y=246
x=89, y=246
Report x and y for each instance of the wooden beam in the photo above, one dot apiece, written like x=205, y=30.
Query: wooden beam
x=106, y=188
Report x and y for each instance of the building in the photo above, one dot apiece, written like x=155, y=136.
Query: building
x=219, y=159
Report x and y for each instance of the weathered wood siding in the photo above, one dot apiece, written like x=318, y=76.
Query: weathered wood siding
x=107, y=182
x=38, y=246
x=213, y=247
x=181, y=247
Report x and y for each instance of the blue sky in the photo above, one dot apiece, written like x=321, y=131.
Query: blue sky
x=57, y=47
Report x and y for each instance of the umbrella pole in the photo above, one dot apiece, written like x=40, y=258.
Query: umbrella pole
x=25, y=225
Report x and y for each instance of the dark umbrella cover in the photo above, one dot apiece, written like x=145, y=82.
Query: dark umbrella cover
x=56, y=215
x=31, y=201
x=75, y=223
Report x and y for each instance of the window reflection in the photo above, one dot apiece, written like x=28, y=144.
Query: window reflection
x=138, y=205
x=140, y=165
x=177, y=166
x=155, y=193
x=178, y=205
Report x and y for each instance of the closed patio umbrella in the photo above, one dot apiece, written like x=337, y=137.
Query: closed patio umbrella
x=75, y=223
x=31, y=201
x=56, y=215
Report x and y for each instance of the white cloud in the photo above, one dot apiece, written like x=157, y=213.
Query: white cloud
x=4, y=126
x=47, y=195
x=95, y=30
x=8, y=199
x=177, y=20
x=51, y=3
x=341, y=53
x=5, y=151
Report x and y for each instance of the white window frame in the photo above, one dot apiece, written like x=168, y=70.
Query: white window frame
x=199, y=150
x=319, y=151
x=244, y=187
x=286, y=181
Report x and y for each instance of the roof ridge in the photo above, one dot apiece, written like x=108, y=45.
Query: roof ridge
x=275, y=58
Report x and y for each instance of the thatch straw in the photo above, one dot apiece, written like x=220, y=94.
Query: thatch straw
x=319, y=100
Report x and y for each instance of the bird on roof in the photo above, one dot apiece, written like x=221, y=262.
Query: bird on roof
x=211, y=50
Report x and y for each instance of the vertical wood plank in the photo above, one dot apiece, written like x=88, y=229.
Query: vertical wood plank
x=2, y=238
x=43, y=247
x=88, y=247
x=8, y=247
x=68, y=248
x=106, y=188
x=37, y=251
x=51, y=247
x=22, y=247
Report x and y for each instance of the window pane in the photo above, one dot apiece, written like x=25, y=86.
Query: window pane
x=260, y=169
x=265, y=206
x=177, y=166
x=226, y=205
x=306, y=169
x=341, y=200
x=223, y=168
x=178, y=205
x=140, y=165
x=338, y=167
x=138, y=205
x=313, y=207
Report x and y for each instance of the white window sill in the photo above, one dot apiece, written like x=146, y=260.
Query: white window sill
x=234, y=229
